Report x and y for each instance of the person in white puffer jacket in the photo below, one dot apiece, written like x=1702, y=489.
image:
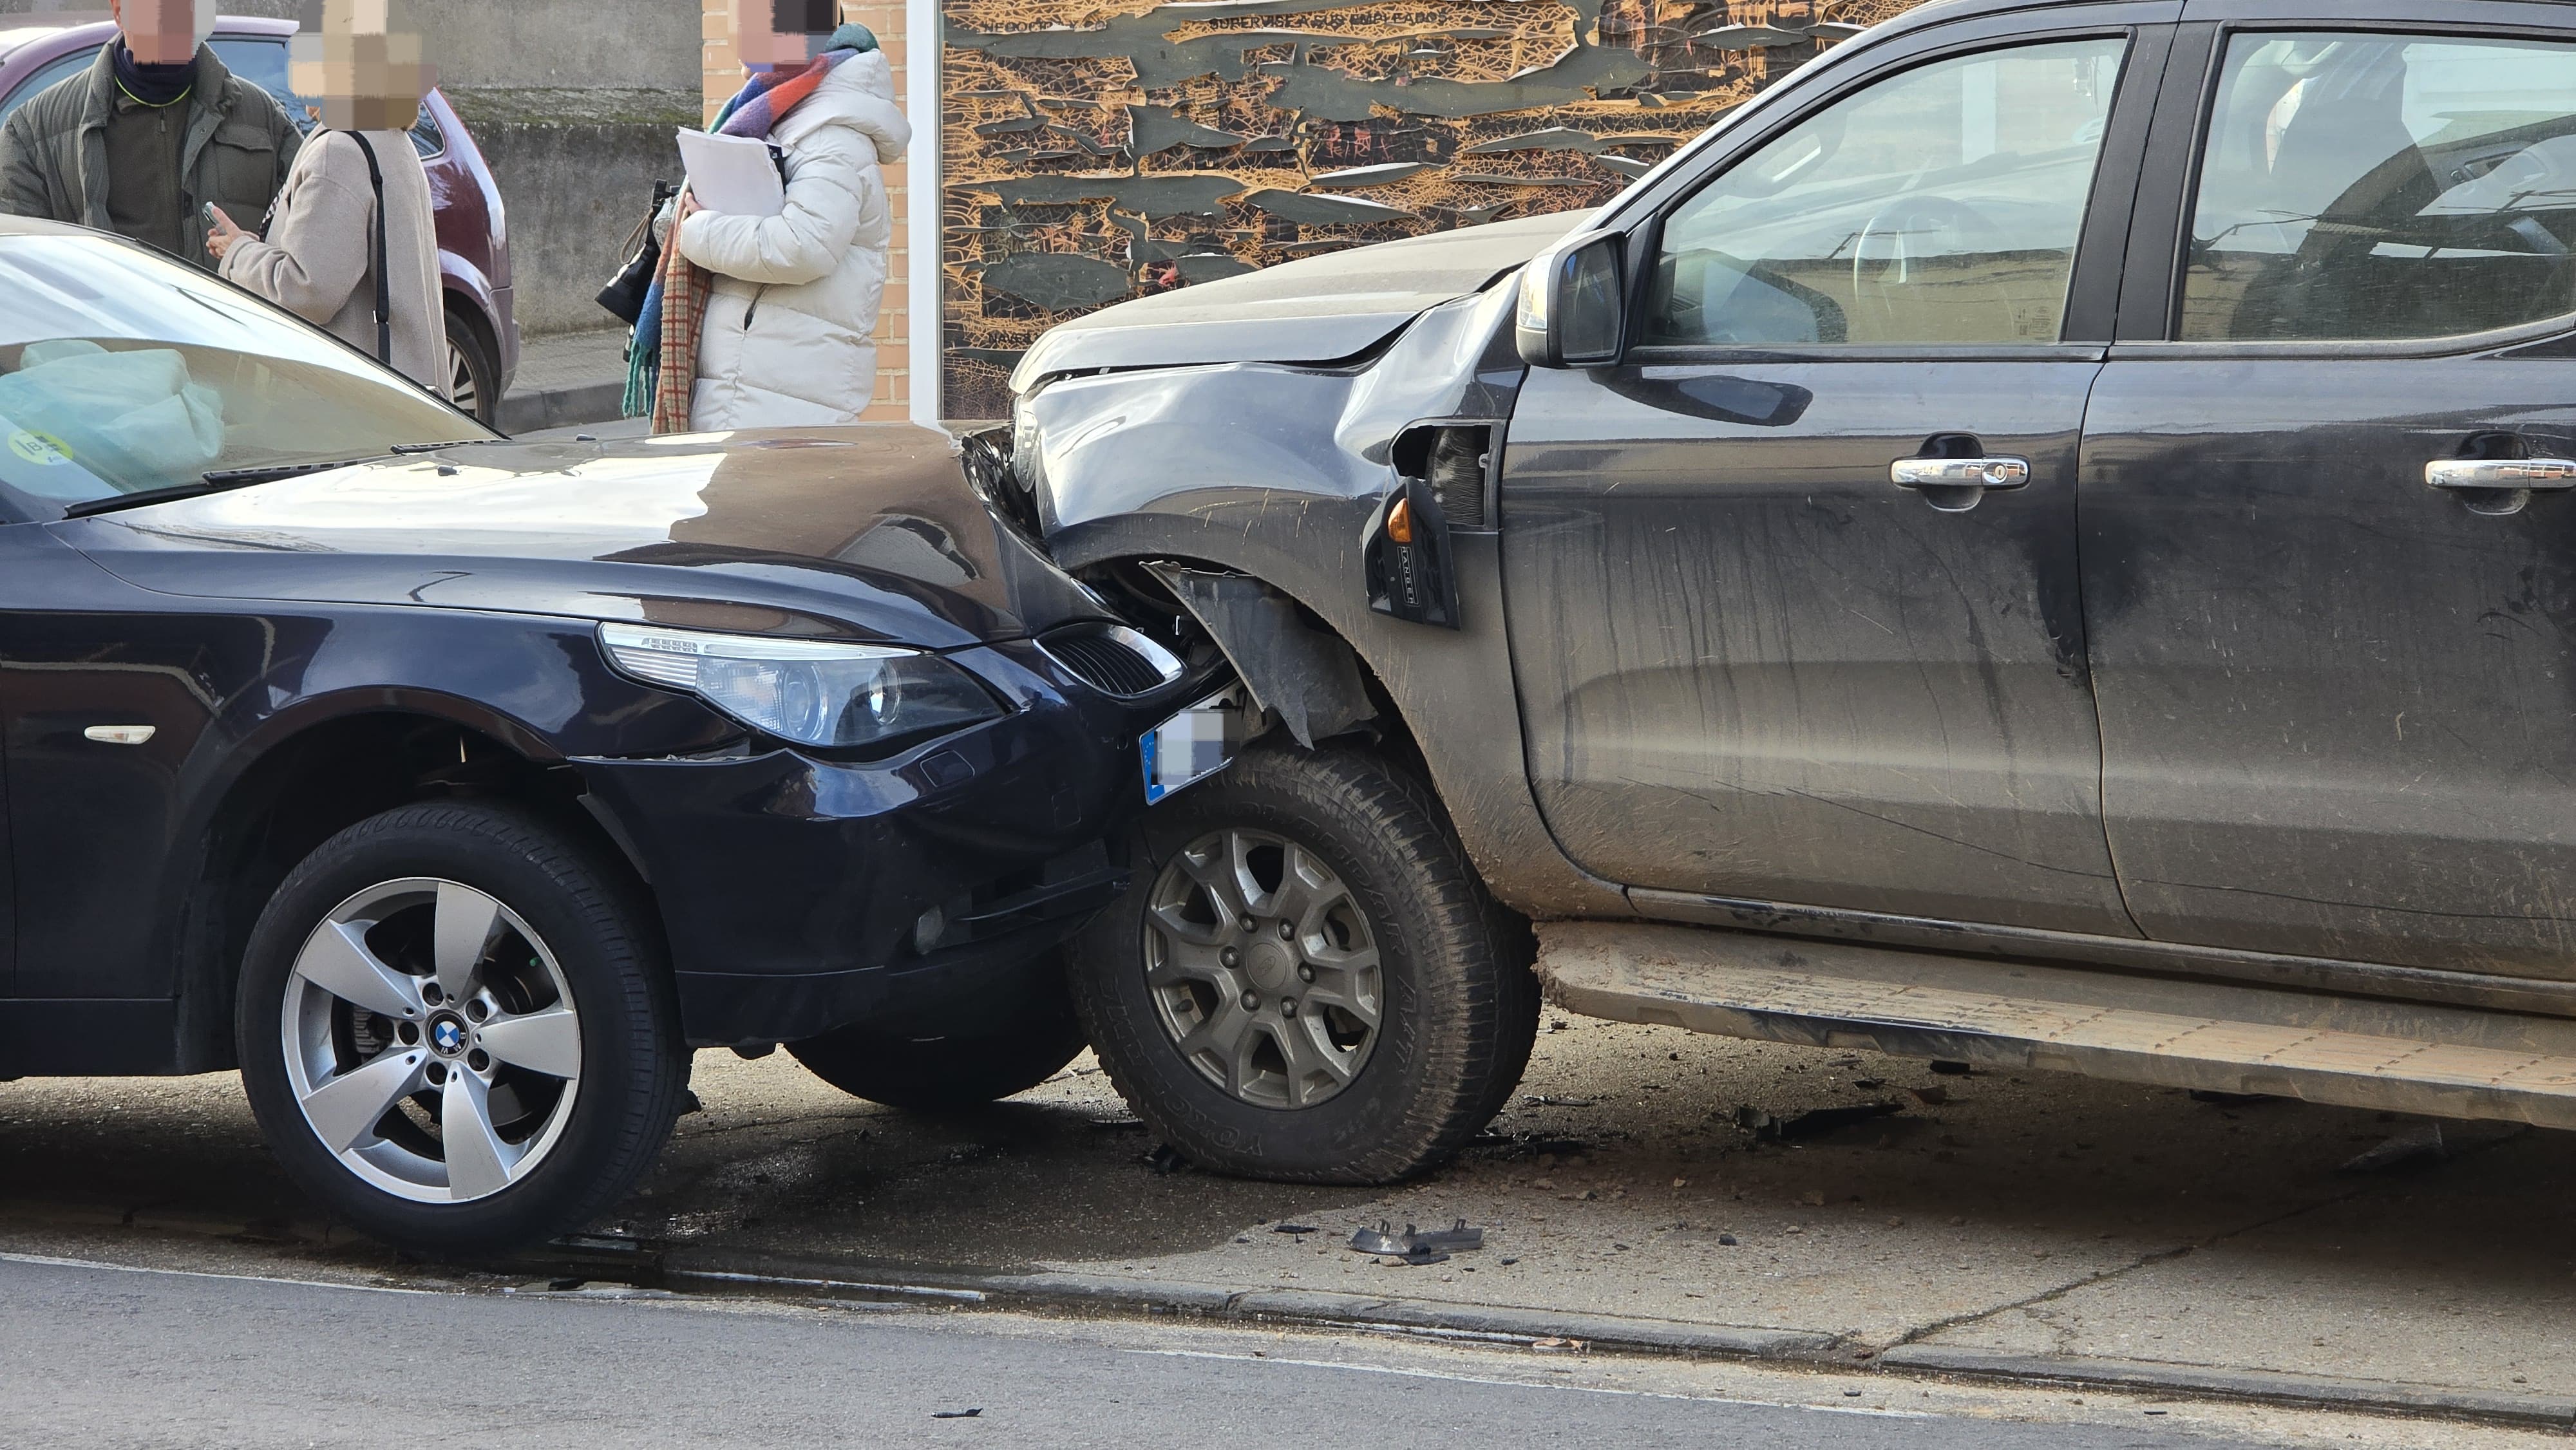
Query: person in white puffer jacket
x=788, y=339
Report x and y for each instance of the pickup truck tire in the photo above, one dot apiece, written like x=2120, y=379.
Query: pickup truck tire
x=948, y=1074
x=457, y=1029
x=1308, y=982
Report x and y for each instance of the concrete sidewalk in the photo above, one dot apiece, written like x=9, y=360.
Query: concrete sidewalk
x=2086, y=1233
x=567, y=380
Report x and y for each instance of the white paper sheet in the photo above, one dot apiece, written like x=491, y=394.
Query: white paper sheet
x=732, y=174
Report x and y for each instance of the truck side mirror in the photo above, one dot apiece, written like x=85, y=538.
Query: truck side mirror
x=1573, y=302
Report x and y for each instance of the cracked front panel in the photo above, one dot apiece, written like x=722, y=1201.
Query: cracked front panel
x=1098, y=153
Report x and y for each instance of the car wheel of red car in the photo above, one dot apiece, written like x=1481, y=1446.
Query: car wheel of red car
x=473, y=374
x=946, y=1074
x=1308, y=981
x=456, y=1030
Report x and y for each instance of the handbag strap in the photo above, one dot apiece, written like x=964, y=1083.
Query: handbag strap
x=384, y=284
x=663, y=191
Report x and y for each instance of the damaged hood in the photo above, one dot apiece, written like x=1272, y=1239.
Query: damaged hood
x=1321, y=309
x=865, y=533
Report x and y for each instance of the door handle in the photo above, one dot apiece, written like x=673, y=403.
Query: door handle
x=1956, y=485
x=2500, y=487
x=2501, y=473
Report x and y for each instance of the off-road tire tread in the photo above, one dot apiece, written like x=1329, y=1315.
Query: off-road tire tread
x=1470, y=1069
x=628, y=936
x=1516, y=953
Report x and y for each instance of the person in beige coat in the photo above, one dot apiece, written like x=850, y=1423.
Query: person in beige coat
x=318, y=260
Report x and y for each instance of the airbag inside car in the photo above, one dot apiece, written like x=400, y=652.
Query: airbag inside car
x=126, y=415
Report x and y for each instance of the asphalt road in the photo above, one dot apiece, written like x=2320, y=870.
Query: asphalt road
x=94, y=1356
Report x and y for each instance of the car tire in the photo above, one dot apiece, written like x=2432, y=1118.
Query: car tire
x=950, y=1074
x=473, y=374
x=452, y=964
x=1516, y=949
x=1199, y=1021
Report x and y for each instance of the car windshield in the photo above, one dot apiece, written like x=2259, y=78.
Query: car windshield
x=122, y=372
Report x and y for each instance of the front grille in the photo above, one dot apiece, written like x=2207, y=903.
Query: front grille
x=1113, y=659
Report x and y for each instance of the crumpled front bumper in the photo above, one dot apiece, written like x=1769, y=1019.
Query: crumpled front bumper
x=801, y=894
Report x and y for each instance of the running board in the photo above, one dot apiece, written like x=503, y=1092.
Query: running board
x=2358, y=1052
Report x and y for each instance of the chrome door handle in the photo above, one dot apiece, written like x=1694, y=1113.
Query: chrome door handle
x=2500, y=487
x=1956, y=485
x=2501, y=473
x=1959, y=472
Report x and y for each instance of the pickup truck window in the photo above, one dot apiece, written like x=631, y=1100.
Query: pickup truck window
x=2377, y=187
x=1941, y=206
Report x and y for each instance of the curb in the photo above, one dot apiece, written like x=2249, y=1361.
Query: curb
x=1447, y=1320
x=1117, y=1295
x=534, y=411
x=2273, y=1386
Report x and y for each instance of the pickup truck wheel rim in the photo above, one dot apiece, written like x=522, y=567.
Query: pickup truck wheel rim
x=1263, y=969
x=431, y=1040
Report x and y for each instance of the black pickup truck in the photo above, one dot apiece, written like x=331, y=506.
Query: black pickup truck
x=2043, y=540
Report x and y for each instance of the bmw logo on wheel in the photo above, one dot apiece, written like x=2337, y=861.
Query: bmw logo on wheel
x=447, y=1035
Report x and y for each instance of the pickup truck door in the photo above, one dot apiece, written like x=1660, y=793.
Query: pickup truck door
x=1751, y=664
x=2329, y=567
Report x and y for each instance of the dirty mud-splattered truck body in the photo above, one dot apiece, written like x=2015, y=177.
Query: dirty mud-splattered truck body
x=2040, y=541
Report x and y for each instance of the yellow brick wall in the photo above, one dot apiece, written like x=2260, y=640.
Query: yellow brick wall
x=724, y=76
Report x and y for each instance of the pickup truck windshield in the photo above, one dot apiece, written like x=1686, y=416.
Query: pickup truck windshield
x=123, y=371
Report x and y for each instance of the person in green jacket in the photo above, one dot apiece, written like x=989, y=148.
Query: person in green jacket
x=143, y=140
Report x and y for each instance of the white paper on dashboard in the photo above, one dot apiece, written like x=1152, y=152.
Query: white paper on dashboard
x=732, y=174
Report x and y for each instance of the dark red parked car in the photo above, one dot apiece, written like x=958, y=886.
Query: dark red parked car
x=473, y=238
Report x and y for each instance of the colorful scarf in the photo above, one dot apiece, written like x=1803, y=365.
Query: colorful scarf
x=660, y=376
x=676, y=308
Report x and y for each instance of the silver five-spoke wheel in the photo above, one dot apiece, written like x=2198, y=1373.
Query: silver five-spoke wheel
x=432, y=1041
x=464, y=389
x=1263, y=969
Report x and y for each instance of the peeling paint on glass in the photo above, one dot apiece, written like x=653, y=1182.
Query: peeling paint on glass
x=1099, y=151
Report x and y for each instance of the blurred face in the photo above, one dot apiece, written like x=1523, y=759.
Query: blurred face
x=782, y=32
x=164, y=32
x=362, y=60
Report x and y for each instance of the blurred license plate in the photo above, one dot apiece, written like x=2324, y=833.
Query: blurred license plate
x=1196, y=743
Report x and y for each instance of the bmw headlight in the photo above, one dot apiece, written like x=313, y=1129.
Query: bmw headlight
x=806, y=691
x=1026, y=462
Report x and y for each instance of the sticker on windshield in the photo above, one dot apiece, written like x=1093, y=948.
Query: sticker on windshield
x=41, y=449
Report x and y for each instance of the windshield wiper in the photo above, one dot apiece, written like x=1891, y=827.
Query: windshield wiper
x=409, y=448
x=219, y=481
x=230, y=478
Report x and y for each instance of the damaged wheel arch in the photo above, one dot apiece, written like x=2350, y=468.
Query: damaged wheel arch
x=1303, y=672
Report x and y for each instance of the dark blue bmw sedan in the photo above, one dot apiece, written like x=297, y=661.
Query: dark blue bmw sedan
x=452, y=788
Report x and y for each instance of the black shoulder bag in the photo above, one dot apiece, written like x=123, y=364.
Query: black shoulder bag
x=384, y=284
x=624, y=294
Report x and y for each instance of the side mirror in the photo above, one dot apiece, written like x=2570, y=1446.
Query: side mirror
x=1573, y=302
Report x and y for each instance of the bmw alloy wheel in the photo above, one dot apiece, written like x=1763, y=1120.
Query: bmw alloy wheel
x=1263, y=969
x=432, y=1041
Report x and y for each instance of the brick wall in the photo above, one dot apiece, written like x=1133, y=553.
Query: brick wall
x=724, y=76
